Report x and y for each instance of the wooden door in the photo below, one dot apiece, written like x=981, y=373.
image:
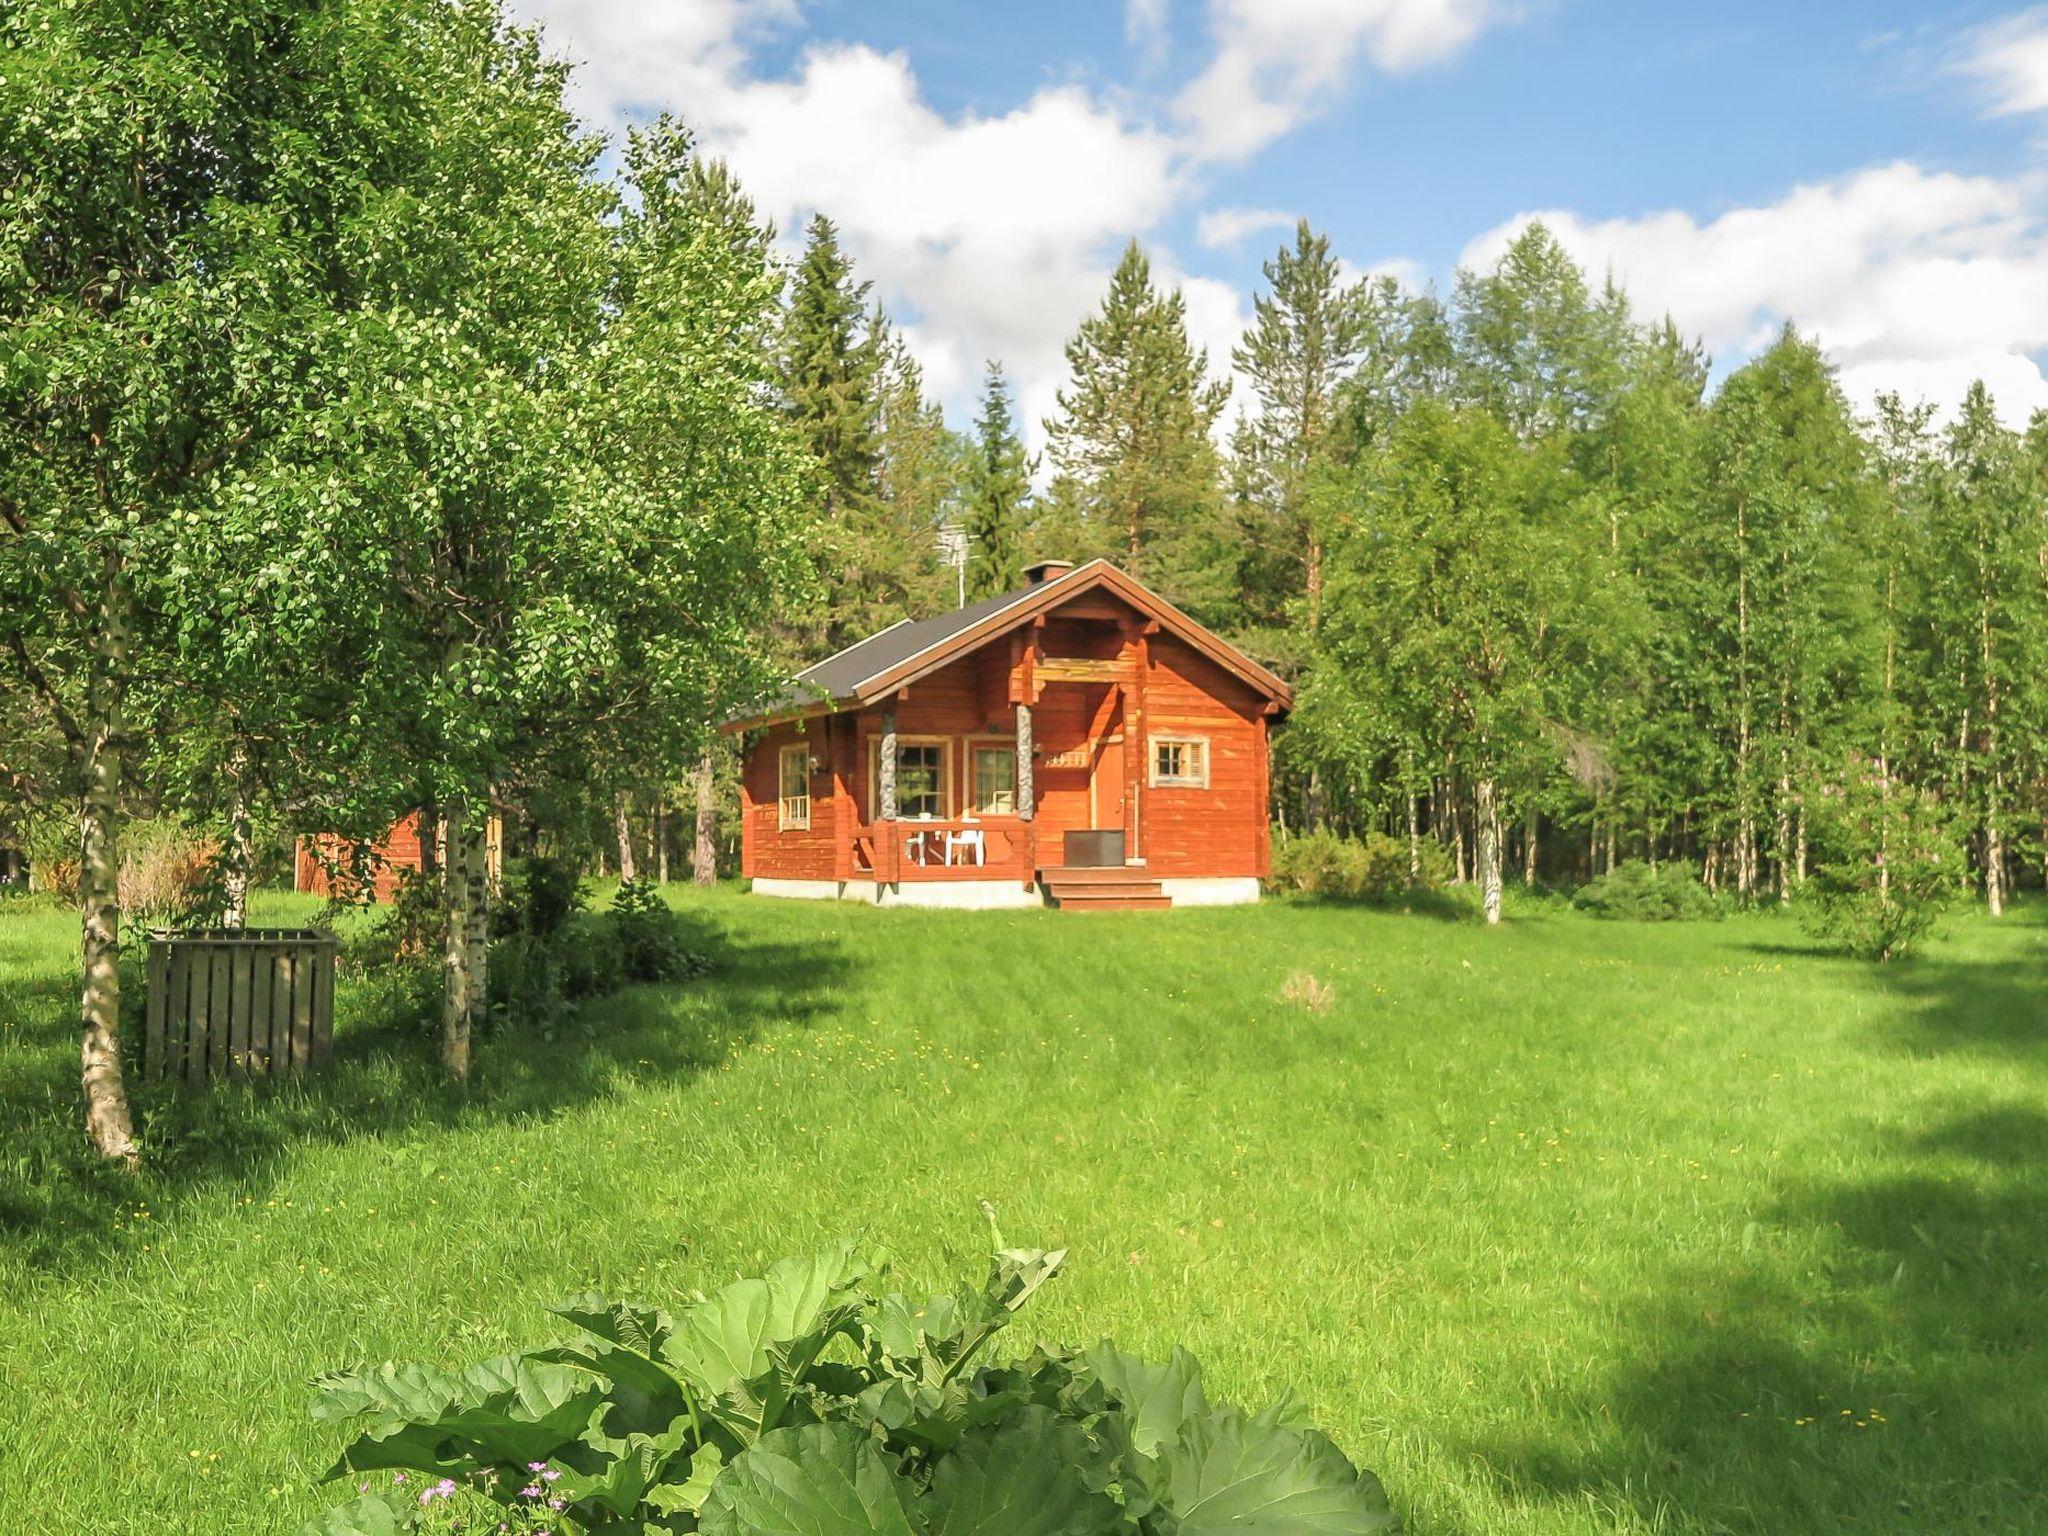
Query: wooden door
x=1106, y=783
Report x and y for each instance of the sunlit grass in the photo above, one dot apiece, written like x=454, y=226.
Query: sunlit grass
x=1570, y=1227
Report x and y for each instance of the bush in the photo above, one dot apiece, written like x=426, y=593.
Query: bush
x=540, y=897
x=809, y=1400
x=653, y=940
x=1372, y=868
x=1892, y=863
x=1633, y=892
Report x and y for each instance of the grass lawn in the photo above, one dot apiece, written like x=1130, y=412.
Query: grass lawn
x=1570, y=1227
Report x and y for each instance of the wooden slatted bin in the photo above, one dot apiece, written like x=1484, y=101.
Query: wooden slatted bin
x=242, y=1002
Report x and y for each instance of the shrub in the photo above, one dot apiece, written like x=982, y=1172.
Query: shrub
x=1372, y=868
x=1892, y=863
x=551, y=894
x=1634, y=892
x=653, y=939
x=810, y=1400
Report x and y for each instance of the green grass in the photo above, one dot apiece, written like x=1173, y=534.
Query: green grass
x=1570, y=1227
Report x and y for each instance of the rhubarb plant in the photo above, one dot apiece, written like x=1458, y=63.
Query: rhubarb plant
x=812, y=1400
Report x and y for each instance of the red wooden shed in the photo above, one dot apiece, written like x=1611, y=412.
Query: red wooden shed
x=1080, y=741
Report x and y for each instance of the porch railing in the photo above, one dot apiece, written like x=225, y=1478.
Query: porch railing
x=981, y=848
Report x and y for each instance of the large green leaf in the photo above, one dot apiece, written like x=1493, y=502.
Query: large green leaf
x=638, y=1328
x=748, y=1345
x=627, y=1467
x=688, y=1496
x=1156, y=1400
x=1252, y=1477
x=373, y=1514
x=1035, y=1474
x=509, y=1409
x=817, y=1480
x=933, y=1418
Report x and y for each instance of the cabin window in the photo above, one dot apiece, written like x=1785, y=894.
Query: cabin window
x=921, y=781
x=923, y=767
x=1180, y=762
x=995, y=781
x=793, y=801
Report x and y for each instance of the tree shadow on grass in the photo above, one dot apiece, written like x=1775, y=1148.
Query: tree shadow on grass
x=62, y=1208
x=1871, y=1354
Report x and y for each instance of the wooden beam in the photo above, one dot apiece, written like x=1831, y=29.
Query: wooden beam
x=1079, y=669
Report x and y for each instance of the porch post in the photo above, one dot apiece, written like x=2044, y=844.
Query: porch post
x=1027, y=801
x=885, y=819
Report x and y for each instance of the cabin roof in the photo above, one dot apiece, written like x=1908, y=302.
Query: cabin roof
x=897, y=656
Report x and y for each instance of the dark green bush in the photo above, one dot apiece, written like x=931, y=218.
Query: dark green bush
x=654, y=941
x=813, y=1400
x=1633, y=892
x=1372, y=868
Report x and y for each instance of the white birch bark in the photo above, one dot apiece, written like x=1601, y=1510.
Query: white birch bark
x=704, y=846
x=1487, y=815
x=108, y=1123
x=627, y=869
x=455, y=957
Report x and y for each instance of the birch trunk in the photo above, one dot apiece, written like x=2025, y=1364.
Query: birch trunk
x=1529, y=852
x=704, y=846
x=1414, y=843
x=477, y=850
x=455, y=956
x=1487, y=815
x=627, y=869
x=661, y=836
x=241, y=849
x=108, y=1123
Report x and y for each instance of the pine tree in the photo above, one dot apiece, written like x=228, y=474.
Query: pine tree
x=998, y=496
x=923, y=477
x=1139, y=476
x=832, y=392
x=1306, y=336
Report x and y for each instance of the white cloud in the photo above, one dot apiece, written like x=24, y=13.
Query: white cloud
x=2009, y=61
x=1278, y=61
x=1226, y=228
x=1145, y=29
x=991, y=236
x=1913, y=280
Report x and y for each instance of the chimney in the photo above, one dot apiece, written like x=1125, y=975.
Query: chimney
x=1046, y=570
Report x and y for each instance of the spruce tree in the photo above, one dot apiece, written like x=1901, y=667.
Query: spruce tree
x=998, y=495
x=1139, y=476
x=1306, y=335
x=831, y=388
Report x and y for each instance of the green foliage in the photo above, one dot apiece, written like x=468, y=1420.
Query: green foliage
x=998, y=495
x=810, y=1399
x=1138, y=476
x=654, y=941
x=544, y=895
x=1374, y=867
x=1891, y=863
x=1635, y=892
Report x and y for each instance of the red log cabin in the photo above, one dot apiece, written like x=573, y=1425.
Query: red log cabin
x=1080, y=741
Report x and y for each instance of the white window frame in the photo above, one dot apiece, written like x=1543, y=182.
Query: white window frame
x=1154, y=779
x=1005, y=744
x=787, y=818
x=946, y=795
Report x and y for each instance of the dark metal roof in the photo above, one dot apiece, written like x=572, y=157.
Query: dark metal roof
x=836, y=679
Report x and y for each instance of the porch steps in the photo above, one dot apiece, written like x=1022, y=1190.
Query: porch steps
x=1108, y=889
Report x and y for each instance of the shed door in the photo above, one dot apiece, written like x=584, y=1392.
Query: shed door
x=1106, y=784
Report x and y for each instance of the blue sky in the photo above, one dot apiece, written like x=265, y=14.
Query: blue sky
x=1875, y=173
